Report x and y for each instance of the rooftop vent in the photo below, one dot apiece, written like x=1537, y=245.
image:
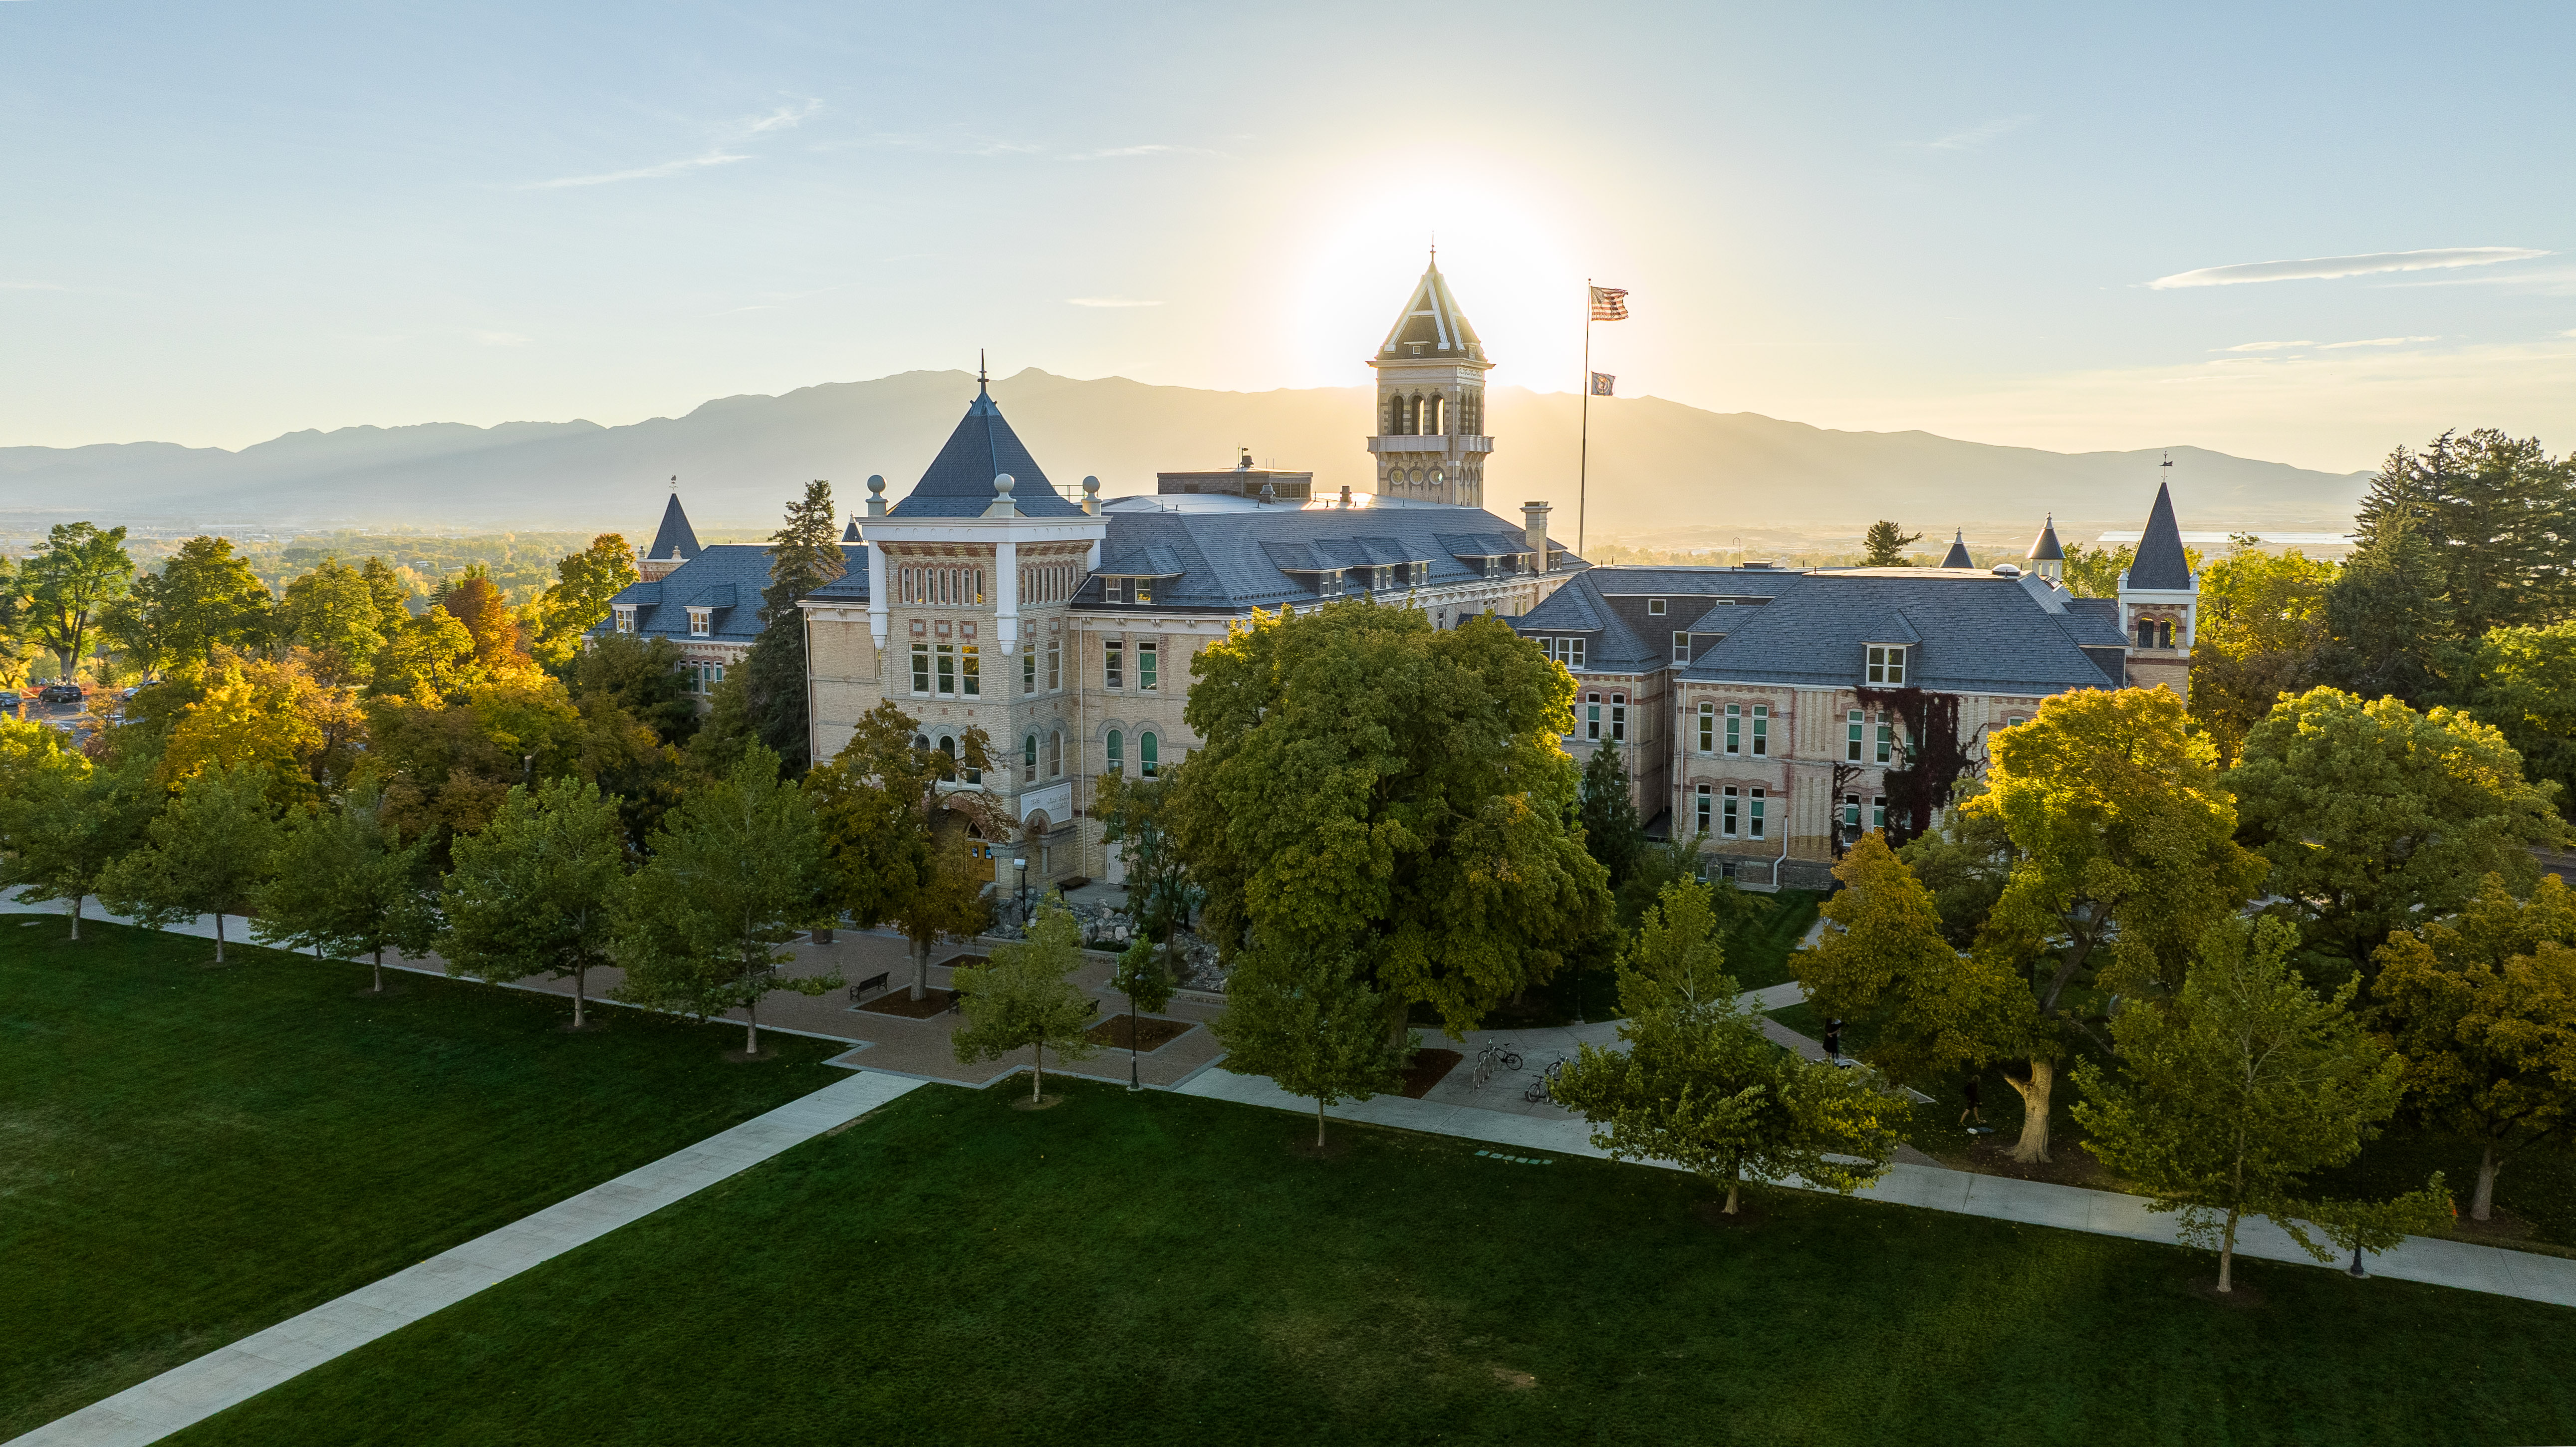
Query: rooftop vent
x=2007, y=570
x=1758, y=563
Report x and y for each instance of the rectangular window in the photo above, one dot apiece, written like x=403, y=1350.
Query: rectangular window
x=921, y=668
x=1148, y=658
x=1753, y=816
x=1762, y=731
x=1113, y=667
x=1726, y=816
x=1654, y=607
x=974, y=671
x=1852, y=723
x=1145, y=593
x=1851, y=812
x=1703, y=801
x=1708, y=728
x=1886, y=738
x=1886, y=665
x=1681, y=648
x=1028, y=670
x=1735, y=728
x=1618, y=717
x=1055, y=664
x=1592, y=717
x=625, y=620
x=946, y=658
x=1878, y=811
x=1113, y=590
x=701, y=622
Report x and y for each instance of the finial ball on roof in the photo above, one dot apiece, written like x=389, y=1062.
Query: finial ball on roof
x=876, y=482
x=1003, y=482
x=1091, y=484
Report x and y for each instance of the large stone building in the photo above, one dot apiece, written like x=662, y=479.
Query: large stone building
x=1777, y=713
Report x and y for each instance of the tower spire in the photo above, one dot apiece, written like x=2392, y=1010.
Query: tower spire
x=981, y=377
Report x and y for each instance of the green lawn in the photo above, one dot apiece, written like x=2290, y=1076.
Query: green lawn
x=189, y=1154
x=1161, y=1269
x=1759, y=953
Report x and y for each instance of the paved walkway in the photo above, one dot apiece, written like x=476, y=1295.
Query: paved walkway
x=186, y=1394
x=2490, y=1269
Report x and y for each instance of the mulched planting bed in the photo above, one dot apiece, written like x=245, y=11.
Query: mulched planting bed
x=1427, y=1068
x=899, y=1001
x=1151, y=1033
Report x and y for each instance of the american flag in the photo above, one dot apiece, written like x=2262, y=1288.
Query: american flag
x=1602, y=383
x=1609, y=304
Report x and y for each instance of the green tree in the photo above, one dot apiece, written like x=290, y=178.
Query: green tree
x=578, y=601
x=2240, y=1088
x=1702, y=1087
x=1885, y=545
x=1313, y=1025
x=2483, y=1011
x=210, y=852
x=1928, y=1010
x=1371, y=786
x=1612, y=832
x=2375, y=816
x=2498, y=516
x=64, y=819
x=896, y=840
x=204, y=599
x=536, y=891
x=804, y=554
x=1140, y=977
x=73, y=574
x=1026, y=997
x=1965, y=859
x=2126, y=851
x=331, y=611
x=2095, y=572
x=429, y=658
x=478, y=603
x=732, y=878
x=644, y=677
x=1135, y=815
x=2262, y=628
x=347, y=886
x=2523, y=681
x=16, y=612
x=2389, y=627
x=391, y=594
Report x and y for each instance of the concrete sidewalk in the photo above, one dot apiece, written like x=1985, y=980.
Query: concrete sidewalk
x=2498, y=1272
x=186, y=1394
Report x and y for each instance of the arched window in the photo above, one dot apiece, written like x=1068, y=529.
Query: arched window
x=1055, y=754
x=1117, y=743
x=1149, y=755
x=1436, y=409
x=948, y=746
x=1029, y=758
x=921, y=742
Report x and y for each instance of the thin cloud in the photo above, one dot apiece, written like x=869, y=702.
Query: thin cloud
x=2262, y=346
x=679, y=167
x=952, y=143
x=785, y=118
x=2377, y=342
x=1975, y=136
x=1156, y=149
x=1107, y=301
x=2325, y=268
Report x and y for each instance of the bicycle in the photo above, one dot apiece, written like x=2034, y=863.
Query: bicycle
x=1543, y=1088
x=1495, y=1054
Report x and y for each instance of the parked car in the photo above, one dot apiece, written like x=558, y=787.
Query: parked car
x=61, y=693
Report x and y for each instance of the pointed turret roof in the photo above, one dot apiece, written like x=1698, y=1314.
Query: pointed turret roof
x=959, y=483
x=1958, y=557
x=675, y=538
x=1431, y=321
x=850, y=534
x=2160, y=564
x=2044, y=548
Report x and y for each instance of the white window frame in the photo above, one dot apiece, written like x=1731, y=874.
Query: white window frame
x=1654, y=607
x=1762, y=731
x=1708, y=728
x=625, y=619
x=1113, y=663
x=1735, y=730
x=1704, y=800
x=943, y=670
x=1055, y=665
x=1149, y=675
x=1753, y=817
x=702, y=622
x=1681, y=648
x=1886, y=738
x=1884, y=665
x=1878, y=812
x=1730, y=814
x=921, y=670
x=1855, y=733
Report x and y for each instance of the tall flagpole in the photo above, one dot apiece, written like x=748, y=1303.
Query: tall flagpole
x=1583, y=455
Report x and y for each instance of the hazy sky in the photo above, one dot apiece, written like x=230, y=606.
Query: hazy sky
x=221, y=222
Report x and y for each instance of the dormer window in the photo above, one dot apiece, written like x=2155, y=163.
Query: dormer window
x=1654, y=607
x=1127, y=590
x=1886, y=665
x=702, y=622
x=1681, y=648
x=625, y=619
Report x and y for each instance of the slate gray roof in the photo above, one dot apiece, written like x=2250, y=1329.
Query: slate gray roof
x=2044, y=548
x=727, y=578
x=959, y=483
x=2160, y=563
x=1148, y=562
x=1230, y=561
x=1958, y=557
x=675, y=537
x=1431, y=319
x=1694, y=600
x=1968, y=633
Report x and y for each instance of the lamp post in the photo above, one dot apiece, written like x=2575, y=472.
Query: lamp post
x=1022, y=865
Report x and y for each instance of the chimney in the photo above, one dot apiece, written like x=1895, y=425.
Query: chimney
x=1534, y=525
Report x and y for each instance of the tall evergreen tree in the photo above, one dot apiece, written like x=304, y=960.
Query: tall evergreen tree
x=2392, y=631
x=1885, y=545
x=2499, y=517
x=1612, y=833
x=804, y=554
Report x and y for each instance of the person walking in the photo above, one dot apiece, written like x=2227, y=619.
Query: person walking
x=1976, y=1108
x=1834, y=1041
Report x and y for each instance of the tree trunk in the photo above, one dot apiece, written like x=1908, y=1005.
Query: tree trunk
x=2033, y=1145
x=380, y=969
x=2227, y=1254
x=750, y=1026
x=920, y=966
x=1319, y=1122
x=2484, y=1201
x=76, y=914
x=1037, y=1067
x=219, y=937
x=577, y=1021
x=1734, y=1189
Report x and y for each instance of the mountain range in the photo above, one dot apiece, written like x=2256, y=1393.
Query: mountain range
x=1658, y=469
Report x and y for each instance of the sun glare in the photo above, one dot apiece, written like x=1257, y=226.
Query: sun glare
x=1507, y=258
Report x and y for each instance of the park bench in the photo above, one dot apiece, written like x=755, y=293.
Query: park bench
x=872, y=982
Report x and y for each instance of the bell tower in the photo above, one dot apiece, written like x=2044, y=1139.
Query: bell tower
x=1431, y=444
